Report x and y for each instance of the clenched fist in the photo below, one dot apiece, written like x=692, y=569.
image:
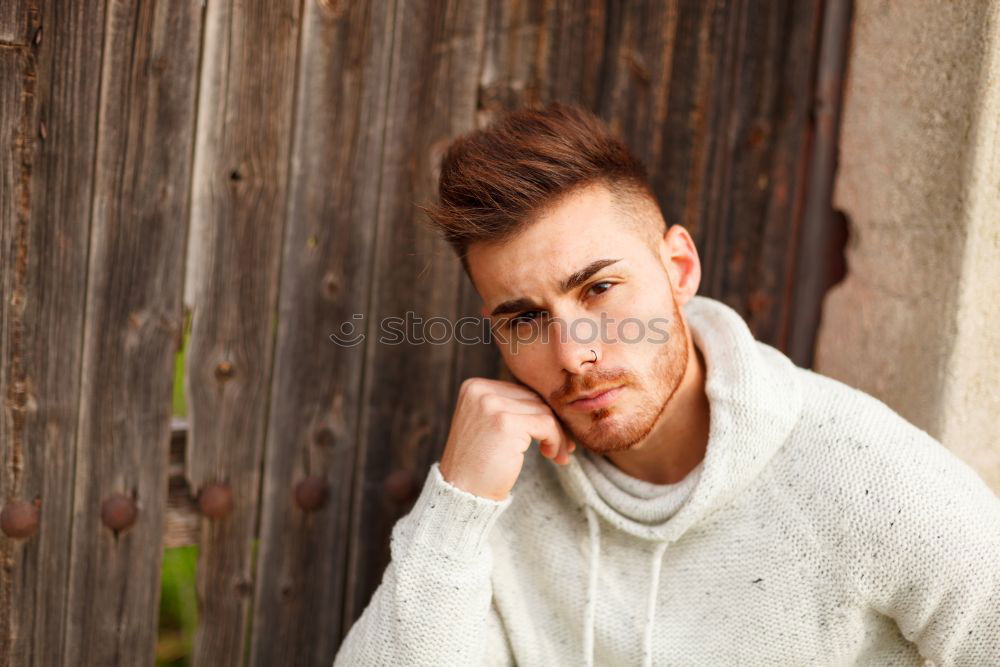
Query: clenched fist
x=493, y=425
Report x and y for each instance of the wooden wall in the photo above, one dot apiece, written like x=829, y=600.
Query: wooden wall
x=254, y=165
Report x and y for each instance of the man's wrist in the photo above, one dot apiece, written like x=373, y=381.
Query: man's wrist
x=451, y=520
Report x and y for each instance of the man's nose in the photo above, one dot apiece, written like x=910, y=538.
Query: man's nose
x=575, y=344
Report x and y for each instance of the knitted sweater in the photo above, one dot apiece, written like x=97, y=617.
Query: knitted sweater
x=821, y=528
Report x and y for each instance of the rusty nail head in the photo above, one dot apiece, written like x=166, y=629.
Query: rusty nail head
x=118, y=512
x=19, y=519
x=311, y=493
x=215, y=500
x=399, y=485
x=224, y=370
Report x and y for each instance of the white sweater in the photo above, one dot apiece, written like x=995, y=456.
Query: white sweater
x=820, y=529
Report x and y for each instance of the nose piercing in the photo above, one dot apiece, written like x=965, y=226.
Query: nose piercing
x=595, y=355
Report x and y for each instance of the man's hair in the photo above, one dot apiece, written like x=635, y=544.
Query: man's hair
x=497, y=180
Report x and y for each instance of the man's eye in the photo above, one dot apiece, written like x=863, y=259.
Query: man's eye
x=514, y=321
x=603, y=282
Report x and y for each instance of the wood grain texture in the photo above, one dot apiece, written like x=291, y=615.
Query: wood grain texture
x=326, y=279
x=51, y=94
x=758, y=141
x=142, y=173
x=408, y=391
x=239, y=205
x=17, y=555
x=18, y=23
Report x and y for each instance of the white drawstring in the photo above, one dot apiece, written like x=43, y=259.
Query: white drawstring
x=593, y=528
x=654, y=587
x=588, y=614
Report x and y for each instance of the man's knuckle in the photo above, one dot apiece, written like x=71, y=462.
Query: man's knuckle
x=472, y=387
x=504, y=421
x=489, y=403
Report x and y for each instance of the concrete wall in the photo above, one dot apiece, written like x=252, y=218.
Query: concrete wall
x=917, y=320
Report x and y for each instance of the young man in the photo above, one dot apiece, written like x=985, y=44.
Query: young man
x=695, y=498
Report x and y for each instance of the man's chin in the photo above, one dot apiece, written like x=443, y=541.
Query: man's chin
x=611, y=433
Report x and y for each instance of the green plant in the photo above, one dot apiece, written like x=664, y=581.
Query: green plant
x=178, y=607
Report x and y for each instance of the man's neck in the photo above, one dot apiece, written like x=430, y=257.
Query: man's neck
x=678, y=441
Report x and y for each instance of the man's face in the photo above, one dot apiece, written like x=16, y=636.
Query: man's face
x=625, y=311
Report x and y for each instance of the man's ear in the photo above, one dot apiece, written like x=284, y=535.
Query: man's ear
x=680, y=259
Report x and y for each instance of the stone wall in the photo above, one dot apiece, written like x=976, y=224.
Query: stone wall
x=915, y=322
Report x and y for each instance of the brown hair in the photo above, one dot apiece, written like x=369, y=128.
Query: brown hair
x=496, y=180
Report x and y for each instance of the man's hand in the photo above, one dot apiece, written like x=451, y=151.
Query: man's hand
x=493, y=425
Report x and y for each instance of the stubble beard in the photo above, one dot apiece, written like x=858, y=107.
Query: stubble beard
x=610, y=430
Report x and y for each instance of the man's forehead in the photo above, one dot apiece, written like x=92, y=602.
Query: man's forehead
x=505, y=272
x=582, y=230
x=532, y=257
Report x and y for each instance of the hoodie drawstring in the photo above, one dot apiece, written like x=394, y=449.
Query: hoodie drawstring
x=588, y=614
x=654, y=587
x=593, y=528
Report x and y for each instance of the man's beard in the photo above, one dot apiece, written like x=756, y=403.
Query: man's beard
x=609, y=429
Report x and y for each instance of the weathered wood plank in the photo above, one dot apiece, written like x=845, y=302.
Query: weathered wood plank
x=239, y=208
x=50, y=92
x=636, y=82
x=540, y=52
x=134, y=319
x=757, y=148
x=408, y=388
x=14, y=173
x=326, y=279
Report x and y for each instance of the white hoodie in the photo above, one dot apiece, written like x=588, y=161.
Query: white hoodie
x=820, y=529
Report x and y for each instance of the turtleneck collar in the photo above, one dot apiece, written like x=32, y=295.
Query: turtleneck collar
x=754, y=400
x=639, y=500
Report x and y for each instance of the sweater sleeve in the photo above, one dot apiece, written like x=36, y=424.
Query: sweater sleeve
x=931, y=557
x=434, y=604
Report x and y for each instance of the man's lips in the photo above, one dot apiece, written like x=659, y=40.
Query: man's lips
x=597, y=399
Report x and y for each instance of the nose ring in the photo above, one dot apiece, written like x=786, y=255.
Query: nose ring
x=595, y=355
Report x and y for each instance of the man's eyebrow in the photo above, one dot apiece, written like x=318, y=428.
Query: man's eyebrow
x=575, y=279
